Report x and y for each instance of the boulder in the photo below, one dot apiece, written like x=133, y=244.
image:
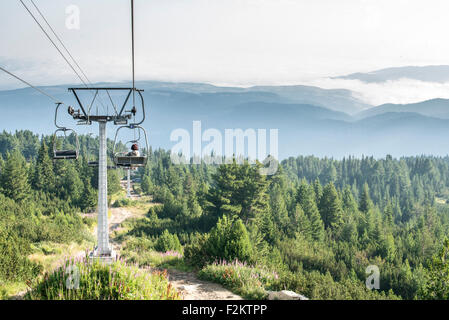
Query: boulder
x=285, y=295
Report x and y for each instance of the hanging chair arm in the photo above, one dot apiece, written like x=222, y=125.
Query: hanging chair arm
x=115, y=139
x=56, y=117
x=143, y=109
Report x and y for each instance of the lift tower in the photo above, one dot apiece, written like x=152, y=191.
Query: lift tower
x=121, y=117
x=128, y=183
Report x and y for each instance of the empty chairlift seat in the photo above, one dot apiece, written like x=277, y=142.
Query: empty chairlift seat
x=65, y=154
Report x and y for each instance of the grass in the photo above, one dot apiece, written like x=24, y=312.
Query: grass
x=142, y=204
x=50, y=254
x=141, y=251
x=11, y=289
x=160, y=260
x=250, y=282
x=118, y=195
x=98, y=281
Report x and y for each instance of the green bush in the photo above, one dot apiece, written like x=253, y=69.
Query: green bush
x=99, y=281
x=123, y=202
x=168, y=242
x=14, y=264
x=138, y=244
x=195, y=253
x=228, y=240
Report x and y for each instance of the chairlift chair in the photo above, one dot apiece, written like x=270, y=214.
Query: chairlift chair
x=65, y=153
x=123, y=159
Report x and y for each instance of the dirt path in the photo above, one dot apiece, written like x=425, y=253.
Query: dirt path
x=192, y=288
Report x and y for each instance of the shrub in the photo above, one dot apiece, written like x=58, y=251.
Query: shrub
x=14, y=264
x=168, y=242
x=228, y=240
x=123, y=202
x=99, y=281
x=138, y=244
x=195, y=253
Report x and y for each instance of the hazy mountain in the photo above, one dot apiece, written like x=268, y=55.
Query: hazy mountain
x=304, y=128
x=27, y=108
x=335, y=99
x=437, y=108
x=427, y=73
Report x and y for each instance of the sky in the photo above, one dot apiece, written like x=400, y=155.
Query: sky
x=232, y=42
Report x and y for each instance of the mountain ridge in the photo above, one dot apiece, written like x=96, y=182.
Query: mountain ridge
x=430, y=73
x=304, y=128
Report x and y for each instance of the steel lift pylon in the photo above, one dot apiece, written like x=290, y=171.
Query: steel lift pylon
x=128, y=183
x=104, y=250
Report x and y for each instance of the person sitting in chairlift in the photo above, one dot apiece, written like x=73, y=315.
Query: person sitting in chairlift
x=134, y=151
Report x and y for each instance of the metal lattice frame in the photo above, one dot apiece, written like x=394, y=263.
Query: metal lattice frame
x=128, y=184
x=103, y=231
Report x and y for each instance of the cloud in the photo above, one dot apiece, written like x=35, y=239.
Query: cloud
x=400, y=91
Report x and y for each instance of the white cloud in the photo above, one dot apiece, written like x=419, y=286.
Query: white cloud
x=400, y=91
x=235, y=42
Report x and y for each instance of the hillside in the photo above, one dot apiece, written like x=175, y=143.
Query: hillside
x=437, y=108
x=438, y=74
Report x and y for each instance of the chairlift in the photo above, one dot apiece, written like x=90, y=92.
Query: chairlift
x=65, y=153
x=126, y=159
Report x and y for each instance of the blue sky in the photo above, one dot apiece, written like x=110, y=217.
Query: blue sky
x=234, y=42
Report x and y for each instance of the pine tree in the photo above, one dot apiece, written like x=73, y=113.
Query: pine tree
x=388, y=214
x=44, y=177
x=330, y=207
x=306, y=198
x=318, y=190
x=300, y=223
x=226, y=186
x=317, y=225
x=348, y=202
x=14, y=177
x=278, y=208
x=113, y=182
x=365, y=203
x=146, y=184
x=89, y=198
x=329, y=174
x=2, y=162
x=264, y=222
x=71, y=184
x=239, y=190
